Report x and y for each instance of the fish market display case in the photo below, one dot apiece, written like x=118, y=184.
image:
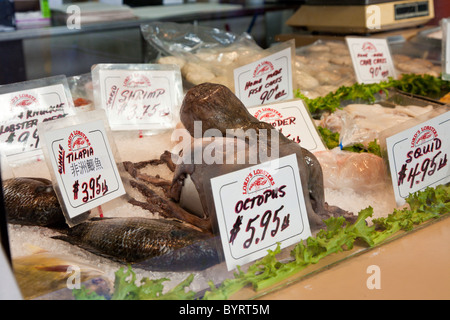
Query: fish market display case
x=117, y=245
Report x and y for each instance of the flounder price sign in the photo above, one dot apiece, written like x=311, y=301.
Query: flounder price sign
x=258, y=207
x=418, y=156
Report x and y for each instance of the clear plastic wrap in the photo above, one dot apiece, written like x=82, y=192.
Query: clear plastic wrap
x=323, y=67
x=82, y=91
x=203, y=54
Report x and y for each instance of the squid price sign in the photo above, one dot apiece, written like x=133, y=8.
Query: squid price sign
x=418, y=156
x=371, y=59
x=258, y=207
x=85, y=169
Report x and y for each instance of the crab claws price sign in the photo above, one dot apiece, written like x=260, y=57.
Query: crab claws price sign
x=371, y=59
x=258, y=207
x=82, y=163
x=418, y=156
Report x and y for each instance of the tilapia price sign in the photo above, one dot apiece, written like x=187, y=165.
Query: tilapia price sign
x=258, y=207
x=292, y=119
x=371, y=59
x=266, y=80
x=139, y=96
x=27, y=104
x=418, y=156
x=84, y=166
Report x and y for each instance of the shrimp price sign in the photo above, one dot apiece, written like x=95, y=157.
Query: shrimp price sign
x=371, y=59
x=266, y=80
x=138, y=97
x=258, y=207
x=84, y=166
x=418, y=156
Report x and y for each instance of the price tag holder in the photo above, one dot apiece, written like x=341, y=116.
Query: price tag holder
x=266, y=80
x=24, y=106
x=142, y=97
x=293, y=120
x=371, y=59
x=258, y=207
x=445, y=25
x=81, y=159
x=418, y=156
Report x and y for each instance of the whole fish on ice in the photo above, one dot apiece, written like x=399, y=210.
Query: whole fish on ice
x=154, y=244
x=32, y=201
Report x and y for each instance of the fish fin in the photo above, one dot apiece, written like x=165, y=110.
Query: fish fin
x=65, y=238
x=54, y=268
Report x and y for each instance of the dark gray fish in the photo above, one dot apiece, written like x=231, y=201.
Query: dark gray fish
x=153, y=244
x=32, y=201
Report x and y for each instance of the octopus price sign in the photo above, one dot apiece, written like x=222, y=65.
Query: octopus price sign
x=266, y=80
x=371, y=59
x=258, y=207
x=292, y=119
x=418, y=156
x=84, y=166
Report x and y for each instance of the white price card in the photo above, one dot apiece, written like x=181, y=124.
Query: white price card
x=140, y=96
x=418, y=156
x=83, y=165
x=258, y=207
x=445, y=25
x=266, y=80
x=23, y=110
x=292, y=119
x=371, y=59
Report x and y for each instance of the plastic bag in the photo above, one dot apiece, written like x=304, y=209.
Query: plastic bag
x=203, y=54
x=323, y=67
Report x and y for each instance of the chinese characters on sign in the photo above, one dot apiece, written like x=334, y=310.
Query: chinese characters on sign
x=84, y=166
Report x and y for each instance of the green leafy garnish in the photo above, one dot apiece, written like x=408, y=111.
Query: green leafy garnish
x=338, y=236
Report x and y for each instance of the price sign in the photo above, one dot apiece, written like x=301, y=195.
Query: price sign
x=266, y=80
x=418, y=156
x=23, y=110
x=258, y=207
x=371, y=59
x=138, y=97
x=292, y=119
x=445, y=25
x=83, y=166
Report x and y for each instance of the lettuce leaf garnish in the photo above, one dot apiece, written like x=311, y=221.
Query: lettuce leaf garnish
x=338, y=236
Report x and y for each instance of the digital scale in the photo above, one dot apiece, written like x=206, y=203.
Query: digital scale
x=361, y=16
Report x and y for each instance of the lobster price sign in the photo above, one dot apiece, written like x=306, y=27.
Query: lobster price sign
x=83, y=165
x=293, y=120
x=258, y=207
x=266, y=80
x=24, y=106
x=371, y=59
x=418, y=156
